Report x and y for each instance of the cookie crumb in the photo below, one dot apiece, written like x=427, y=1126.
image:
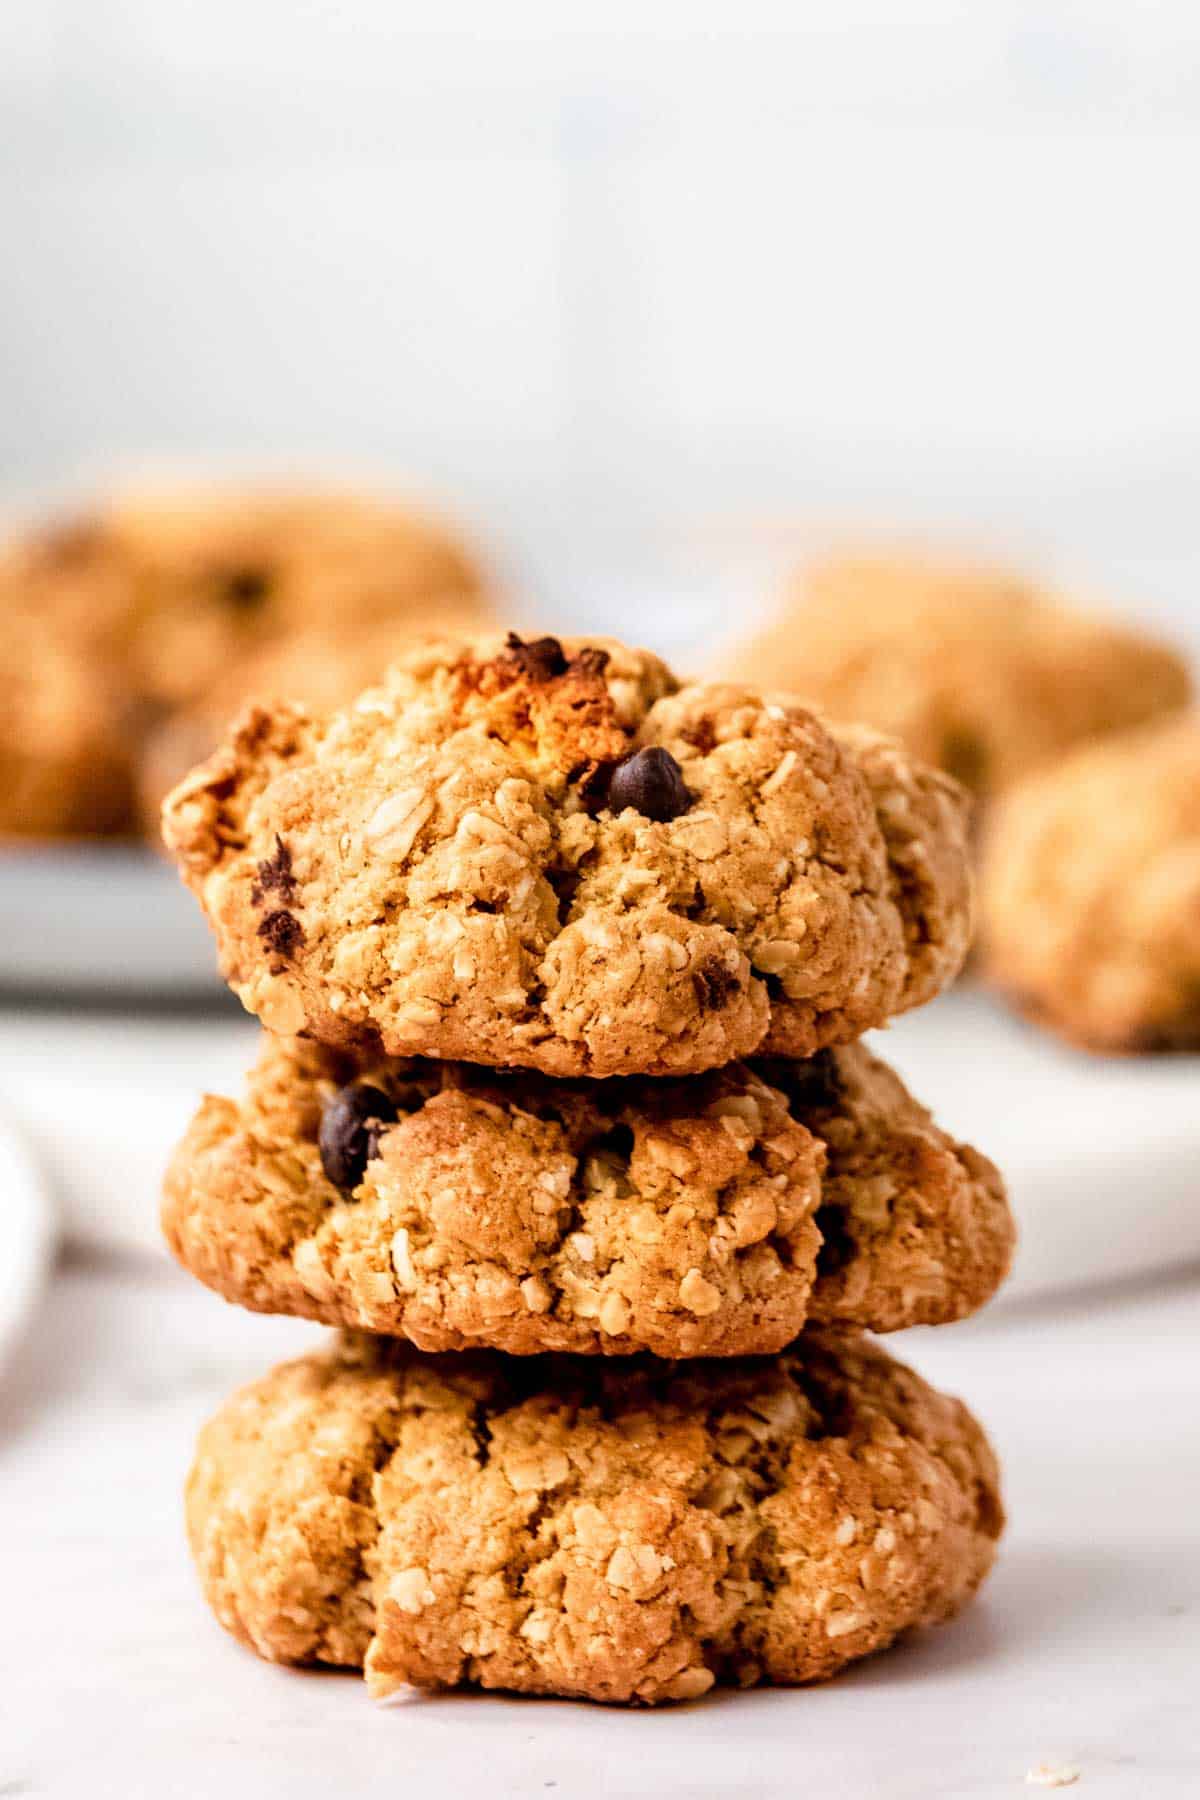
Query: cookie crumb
x=1052, y=1775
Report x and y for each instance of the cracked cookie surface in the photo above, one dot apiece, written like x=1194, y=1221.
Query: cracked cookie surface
x=978, y=672
x=1090, y=891
x=545, y=854
x=321, y=667
x=455, y=1206
x=632, y=1534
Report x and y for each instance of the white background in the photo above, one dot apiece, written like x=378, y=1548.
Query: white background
x=629, y=285
x=654, y=295
x=1080, y=1653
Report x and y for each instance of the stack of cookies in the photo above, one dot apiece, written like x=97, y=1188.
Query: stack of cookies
x=561, y=1116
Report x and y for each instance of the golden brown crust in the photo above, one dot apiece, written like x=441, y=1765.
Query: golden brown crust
x=976, y=670
x=915, y=1226
x=458, y=885
x=531, y=1215
x=1090, y=886
x=564, y=1527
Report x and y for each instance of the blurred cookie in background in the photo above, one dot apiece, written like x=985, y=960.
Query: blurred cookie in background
x=977, y=670
x=170, y=606
x=64, y=766
x=1090, y=893
x=177, y=586
x=216, y=576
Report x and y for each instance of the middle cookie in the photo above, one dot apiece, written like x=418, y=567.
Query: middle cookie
x=457, y=1206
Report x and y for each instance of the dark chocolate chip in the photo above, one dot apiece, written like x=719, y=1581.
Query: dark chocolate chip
x=651, y=782
x=591, y=660
x=541, y=659
x=714, y=985
x=282, y=931
x=350, y=1130
x=246, y=586
x=274, y=875
x=590, y=781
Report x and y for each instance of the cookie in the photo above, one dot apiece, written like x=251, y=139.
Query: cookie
x=321, y=667
x=148, y=606
x=978, y=672
x=629, y=1533
x=65, y=768
x=178, y=586
x=546, y=854
x=456, y=1207
x=915, y=1226
x=1091, y=893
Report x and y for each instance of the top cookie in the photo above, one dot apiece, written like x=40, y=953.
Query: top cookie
x=545, y=854
x=322, y=667
x=977, y=671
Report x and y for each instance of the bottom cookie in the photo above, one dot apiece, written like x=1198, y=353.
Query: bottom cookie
x=634, y=1533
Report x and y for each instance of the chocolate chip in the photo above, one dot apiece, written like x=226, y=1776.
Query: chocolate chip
x=713, y=984
x=282, y=931
x=591, y=660
x=651, y=782
x=274, y=875
x=541, y=659
x=246, y=586
x=837, y=1240
x=590, y=781
x=350, y=1130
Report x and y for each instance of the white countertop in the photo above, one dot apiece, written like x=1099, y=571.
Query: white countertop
x=1083, y=1651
